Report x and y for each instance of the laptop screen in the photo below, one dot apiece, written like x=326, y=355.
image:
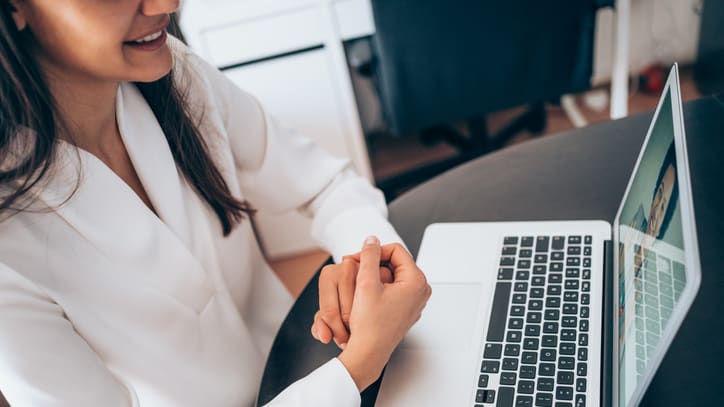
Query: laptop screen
x=652, y=271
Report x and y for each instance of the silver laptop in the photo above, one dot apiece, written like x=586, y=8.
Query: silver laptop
x=574, y=313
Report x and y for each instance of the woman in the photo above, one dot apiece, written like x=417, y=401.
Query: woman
x=130, y=275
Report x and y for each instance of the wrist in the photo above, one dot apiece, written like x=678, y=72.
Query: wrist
x=363, y=366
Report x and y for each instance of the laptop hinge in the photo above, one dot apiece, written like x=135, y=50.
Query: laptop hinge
x=607, y=348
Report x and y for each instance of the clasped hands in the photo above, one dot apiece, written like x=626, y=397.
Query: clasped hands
x=367, y=304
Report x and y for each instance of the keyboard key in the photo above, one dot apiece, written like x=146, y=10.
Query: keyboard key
x=587, y=251
x=574, y=250
x=541, y=244
x=496, y=326
x=570, y=309
x=535, y=317
x=558, y=242
x=524, y=264
x=490, y=366
x=583, y=340
x=585, y=311
x=552, y=315
x=540, y=258
x=536, y=292
x=550, y=341
x=548, y=355
x=483, y=381
x=545, y=384
x=581, y=385
x=582, y=354
x=568, y=335
x=511, y=349
x=493, y=351
x=509, y=250
x=556, y=267
x=520, y=286
x=515, y=323
x=568, y=348
x=532, y=330
x=582, y=369
x=574, y=239
x=554, y=290
x=570, y=296
x=583, y=326
x=557, y=256
x=522, y=274
x=530, y=344
x=571, y=284
x=573, y=272
x=580, y=400
x=586, y=286
x=585, y=299
x=507, y=261
x=505, y=274
x=519, y=298
x=510, y=240
x=586, y=262
x=524, y=401
x=535, y=305
x=550, y=327
x=538, y=281
x=570, y=262
x=544, y=399
x=553, y=302
x=555, y=278
x=569, y=322
x=588, y=239
x=514, y=336
x=526, y=241
x=529, y=358
x=566, y=363
x=510, y=364
x=505, y=396
x=539, y=269
x=564, y=393
x=526, y=387
x=517, y=310
x=525, y=253
x=547, y=369
x=508, y=378
x=565, y=377
x=527, y=372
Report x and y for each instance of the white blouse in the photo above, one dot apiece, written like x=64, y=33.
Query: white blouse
x=104, y=303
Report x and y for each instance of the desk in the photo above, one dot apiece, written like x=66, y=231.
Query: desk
x=580, y=174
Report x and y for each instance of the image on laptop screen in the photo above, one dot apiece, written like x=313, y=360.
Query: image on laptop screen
x=652, y=275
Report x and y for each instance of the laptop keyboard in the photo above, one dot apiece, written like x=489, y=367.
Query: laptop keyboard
x=537, y=338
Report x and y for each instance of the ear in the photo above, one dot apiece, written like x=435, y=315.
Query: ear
x=18, y=15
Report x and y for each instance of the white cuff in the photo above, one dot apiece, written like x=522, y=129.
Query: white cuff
x=330, y=385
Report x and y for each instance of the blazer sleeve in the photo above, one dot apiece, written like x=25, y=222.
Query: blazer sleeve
x=281, y=170
x=43, y=361
x=328, y=386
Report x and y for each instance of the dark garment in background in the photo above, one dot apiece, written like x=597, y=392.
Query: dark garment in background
x=443, y=60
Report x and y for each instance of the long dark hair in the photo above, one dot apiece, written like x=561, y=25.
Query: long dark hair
x=26, y=103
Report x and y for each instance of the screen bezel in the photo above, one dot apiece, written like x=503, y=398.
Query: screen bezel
x=691, y=247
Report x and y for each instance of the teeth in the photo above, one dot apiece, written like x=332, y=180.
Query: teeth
x=149, y=38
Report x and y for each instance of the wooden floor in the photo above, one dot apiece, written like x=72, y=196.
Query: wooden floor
x=390, y=156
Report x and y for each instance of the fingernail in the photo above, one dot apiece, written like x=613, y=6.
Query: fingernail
x=343, y=345
x=372, y=240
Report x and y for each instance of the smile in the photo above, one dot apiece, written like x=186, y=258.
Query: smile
x=148, y=38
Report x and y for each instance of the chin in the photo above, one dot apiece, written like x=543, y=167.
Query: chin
x=156, y=69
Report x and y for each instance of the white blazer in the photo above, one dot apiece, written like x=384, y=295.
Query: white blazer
x=102, y=303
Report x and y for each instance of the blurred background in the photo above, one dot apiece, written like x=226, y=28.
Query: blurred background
x=407, y=89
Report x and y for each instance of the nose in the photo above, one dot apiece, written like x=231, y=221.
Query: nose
x=157, y=7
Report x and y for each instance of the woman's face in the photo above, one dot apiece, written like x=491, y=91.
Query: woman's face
x=106, y=40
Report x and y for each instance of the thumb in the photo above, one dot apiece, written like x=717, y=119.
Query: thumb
x=369, y=265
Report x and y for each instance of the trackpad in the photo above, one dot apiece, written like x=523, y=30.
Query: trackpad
x=448, y=321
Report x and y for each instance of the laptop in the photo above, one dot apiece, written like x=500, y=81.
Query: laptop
x=564, y=314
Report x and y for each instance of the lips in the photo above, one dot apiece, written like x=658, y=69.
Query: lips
x=152, y=39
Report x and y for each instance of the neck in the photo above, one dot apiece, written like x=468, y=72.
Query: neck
x=87, y=109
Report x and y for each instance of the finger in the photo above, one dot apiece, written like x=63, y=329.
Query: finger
x=369, y=264
x=329, y=305
x=322, y=331
x=395, y=253
x=346, y=289
x=386, y=275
